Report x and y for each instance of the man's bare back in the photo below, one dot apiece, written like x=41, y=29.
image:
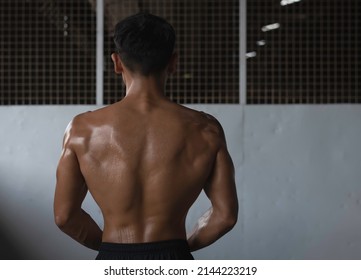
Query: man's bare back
x=145, y=166
x=144, y=160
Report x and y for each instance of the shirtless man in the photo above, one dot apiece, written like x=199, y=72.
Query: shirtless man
x=145, y=160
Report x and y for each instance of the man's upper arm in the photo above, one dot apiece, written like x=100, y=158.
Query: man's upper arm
x=70, y=188
x=221, y=187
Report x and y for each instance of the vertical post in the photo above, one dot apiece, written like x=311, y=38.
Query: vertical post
x=242, y=51
x=99, y=52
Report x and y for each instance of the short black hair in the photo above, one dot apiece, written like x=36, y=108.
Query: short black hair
x=145, y=43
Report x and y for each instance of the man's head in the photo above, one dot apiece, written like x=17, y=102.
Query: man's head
x=144, y=43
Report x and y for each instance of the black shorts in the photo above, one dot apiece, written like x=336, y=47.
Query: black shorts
x=162, y=250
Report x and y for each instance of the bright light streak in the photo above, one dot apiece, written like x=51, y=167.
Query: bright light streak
x=288, y=2
x=270, y=27
x=261, y=43
x=251, y=54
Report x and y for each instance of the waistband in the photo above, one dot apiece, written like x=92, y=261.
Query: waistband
x=174, y=244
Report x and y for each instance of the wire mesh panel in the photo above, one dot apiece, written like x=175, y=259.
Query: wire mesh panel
x=207, y=44
x=47, y=52
x=303, y=51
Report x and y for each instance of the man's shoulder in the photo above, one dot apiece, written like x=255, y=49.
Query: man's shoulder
x=208, y=122
x=78, y=124
x=212, y=124
x=201, y=115
x=90, y=116
x=210, y=118
x=80, y=119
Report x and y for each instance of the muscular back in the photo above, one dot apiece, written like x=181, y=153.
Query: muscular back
x=145, y=164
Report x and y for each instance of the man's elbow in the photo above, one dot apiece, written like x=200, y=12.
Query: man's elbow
x=62, y=220
x=230, y=220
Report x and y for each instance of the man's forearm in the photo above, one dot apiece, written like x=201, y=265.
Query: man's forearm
x=82, y=228
x=210, y=227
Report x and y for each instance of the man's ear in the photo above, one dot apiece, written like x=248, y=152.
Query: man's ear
x=173, y=63
x=118, y=66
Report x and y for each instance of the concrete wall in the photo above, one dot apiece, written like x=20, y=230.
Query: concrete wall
x=302, y=182
x=298, y=179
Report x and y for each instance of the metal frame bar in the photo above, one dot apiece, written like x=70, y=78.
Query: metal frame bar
x=100, y=52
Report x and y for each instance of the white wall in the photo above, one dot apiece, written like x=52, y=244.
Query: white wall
x=298, y=179
x=302, y=182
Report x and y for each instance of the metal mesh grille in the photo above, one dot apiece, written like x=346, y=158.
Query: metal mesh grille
x=207, y=44
x=312, y=57
x=47, y=52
